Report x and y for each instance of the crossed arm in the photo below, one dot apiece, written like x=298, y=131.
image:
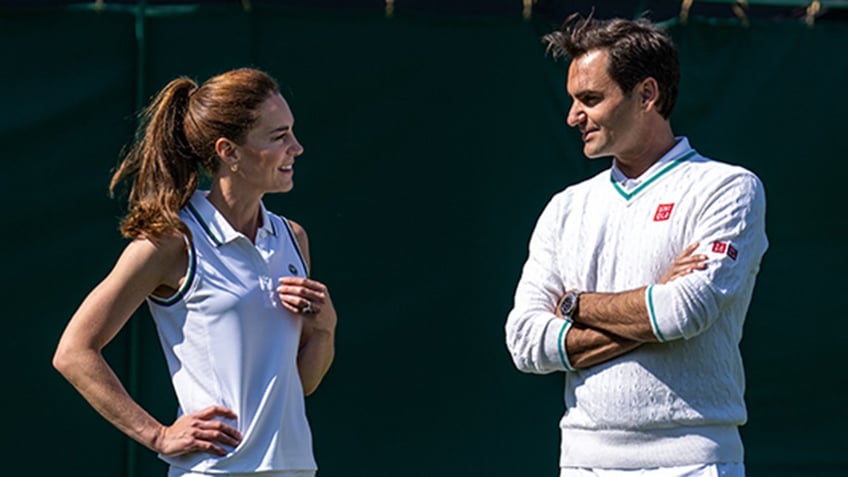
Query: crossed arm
x=607, y=325
x=683, y=304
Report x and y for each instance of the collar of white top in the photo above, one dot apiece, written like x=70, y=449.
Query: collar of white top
x=628, y=184
x=216, y=226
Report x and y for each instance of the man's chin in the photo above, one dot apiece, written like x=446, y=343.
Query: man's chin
x=592, y=153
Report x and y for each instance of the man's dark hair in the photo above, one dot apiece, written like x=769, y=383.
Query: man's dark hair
x=637, y=49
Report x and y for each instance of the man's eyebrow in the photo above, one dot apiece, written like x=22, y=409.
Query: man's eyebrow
x=280, y=129
x=584, y=92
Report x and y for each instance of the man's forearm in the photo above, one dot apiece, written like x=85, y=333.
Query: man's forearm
x=623, y=314
x=589, y=346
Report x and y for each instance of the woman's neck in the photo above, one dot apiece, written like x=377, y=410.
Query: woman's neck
x=239, y=209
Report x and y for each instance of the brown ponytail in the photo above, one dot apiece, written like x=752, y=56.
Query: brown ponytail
x=176, y=138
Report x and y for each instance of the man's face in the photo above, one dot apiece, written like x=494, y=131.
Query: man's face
x=608, y=120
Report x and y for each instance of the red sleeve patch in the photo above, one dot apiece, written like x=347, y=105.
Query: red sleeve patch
x=725, y=247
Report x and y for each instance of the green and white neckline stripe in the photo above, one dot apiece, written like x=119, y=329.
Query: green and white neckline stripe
x=204, y=222
x=204, y=225
x=671, y=165
x=218, y=241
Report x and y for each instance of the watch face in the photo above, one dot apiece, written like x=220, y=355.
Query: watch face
x=567, y=306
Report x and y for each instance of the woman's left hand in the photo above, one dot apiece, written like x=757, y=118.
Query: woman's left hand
x=309, y=298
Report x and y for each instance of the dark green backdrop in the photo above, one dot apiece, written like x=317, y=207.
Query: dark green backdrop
x=431, y=146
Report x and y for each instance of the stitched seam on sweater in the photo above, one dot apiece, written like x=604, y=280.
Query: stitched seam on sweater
x=561, y=345
x=653, y=314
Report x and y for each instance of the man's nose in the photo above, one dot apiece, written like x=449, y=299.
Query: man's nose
x=575, y=115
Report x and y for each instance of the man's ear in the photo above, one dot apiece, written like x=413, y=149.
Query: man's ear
x=649, y=93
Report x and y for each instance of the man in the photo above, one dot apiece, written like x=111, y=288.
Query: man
x=638, y=280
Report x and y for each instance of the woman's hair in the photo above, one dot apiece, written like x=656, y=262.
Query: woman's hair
x=176, y=139
x=637, y=50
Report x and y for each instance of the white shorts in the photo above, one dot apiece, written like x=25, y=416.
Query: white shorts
x=700, y=470
x=177, y=472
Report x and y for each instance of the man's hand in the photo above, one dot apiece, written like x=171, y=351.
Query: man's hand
x=684, y=264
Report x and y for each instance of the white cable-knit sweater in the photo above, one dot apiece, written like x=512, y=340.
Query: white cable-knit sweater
x=679, y=401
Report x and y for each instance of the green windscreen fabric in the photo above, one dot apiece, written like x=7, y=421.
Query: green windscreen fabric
x=431, y=146
x=772, y=97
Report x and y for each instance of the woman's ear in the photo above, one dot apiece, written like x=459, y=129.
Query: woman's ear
x=226, y=151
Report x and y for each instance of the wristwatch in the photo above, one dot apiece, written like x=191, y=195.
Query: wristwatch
x=568, y=305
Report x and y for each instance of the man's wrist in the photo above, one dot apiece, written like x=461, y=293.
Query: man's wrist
x=568, y=305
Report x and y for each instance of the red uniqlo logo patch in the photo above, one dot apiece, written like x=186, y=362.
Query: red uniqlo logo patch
x=663, y=212
x=723, y=247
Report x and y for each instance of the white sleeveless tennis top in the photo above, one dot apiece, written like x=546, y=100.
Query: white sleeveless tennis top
x=229, y=341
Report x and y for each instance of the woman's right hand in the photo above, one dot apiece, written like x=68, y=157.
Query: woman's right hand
x=684, y=264
x=198, y=432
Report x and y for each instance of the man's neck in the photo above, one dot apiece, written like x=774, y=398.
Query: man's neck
x=657, y=142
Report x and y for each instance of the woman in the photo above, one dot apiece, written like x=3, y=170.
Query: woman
x=245, y=332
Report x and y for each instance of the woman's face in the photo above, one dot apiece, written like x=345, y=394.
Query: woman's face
x=266, y=158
